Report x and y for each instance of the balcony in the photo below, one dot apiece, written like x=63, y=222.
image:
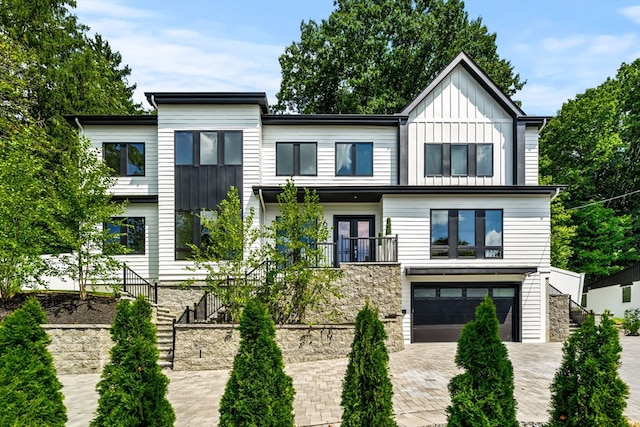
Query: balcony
x=360, y=250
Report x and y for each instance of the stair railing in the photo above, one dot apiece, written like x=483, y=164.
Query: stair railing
x=577, y=313
x=135, y=285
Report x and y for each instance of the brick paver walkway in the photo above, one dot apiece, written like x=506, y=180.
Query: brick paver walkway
x=420, y=374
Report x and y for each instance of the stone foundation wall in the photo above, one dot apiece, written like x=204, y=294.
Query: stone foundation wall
x=558, y=318
x=79, y=349
x=176, y=298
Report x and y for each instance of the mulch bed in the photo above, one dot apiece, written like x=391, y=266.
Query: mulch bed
x=67, y=308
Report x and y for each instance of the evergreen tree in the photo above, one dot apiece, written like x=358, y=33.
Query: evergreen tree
x=133, y=388
x=587, y=390
x=366, y=389
x=258, y=392
x=483, y=394
x=29, y=388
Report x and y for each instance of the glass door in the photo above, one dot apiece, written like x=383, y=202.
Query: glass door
x=354, y=239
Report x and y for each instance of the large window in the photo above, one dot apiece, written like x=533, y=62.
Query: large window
x=459, y=233
x=206, y=148
x=124, y=158
x=354, y=158
x=127, y=233
x=296, y=159
x=458, y=159
x=190, y=230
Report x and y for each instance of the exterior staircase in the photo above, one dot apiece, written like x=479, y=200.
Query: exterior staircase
x=164, y=332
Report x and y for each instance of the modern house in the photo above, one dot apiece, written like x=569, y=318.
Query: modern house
x=455, y=173
x=616, y=293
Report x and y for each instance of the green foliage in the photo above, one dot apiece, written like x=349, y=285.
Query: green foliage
x=29, y=388
x=375, y=56
x=563, y=233
x=587, y=390
x=258, y=392
x=133, y=388
x=366, y=389
x=483, y=394
x=631, y=321
x=304, y=279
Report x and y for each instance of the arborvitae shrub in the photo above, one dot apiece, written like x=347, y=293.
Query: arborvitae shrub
x=367, y=392
x=258, y=392
x=586, y=390
x=483, y=394
x=133, y=387
x=29, y=388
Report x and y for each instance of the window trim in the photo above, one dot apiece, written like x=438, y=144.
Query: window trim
x=296, y=157
x=446, y=159
x=196, y=147
x=124, y=156
x=125, y=226
x=453, y=247
x=354, y=158
x=626, y=294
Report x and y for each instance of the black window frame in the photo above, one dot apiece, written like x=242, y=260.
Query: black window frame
x=626, y=294
x=123, y=170
x=453, y=248
x=196, y=147
x=354, y=157
x=445, y=159
x=125, y=224
x=199, y=233
x=296, y=158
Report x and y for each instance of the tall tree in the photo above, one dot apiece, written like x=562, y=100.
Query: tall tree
x=375, y=56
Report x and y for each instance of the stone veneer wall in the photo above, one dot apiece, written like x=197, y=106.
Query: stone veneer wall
x=79, y=349
x=176, y=298
x=558, y=318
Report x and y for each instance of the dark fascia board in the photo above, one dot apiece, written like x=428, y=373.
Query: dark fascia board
x=259, y=98
x=481, y=77
x=621, y=278
x=135, y=199
x=335, y=119
x=539, y=121
x=462, y=271
x=368, y=194
x=139, y=120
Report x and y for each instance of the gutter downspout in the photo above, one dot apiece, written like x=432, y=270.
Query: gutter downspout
x=555, y=195
x=79, y=126
x=153, y=101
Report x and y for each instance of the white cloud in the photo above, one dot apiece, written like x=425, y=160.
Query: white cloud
x=631, y=12
x=554, y=44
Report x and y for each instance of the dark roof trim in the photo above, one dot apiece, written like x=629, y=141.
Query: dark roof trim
x=259, y=98
x=481, y=77
x=539, y=121
x=462, y=271
x=624, y=277
x=364, y=194
x=140, y=120
x=135, y=199
x=335, y=119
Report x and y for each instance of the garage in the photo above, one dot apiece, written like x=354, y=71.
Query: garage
x=439, y=311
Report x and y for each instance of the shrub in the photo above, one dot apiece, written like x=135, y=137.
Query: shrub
x=366, y=389
x=483, y=394
x=631, y=321
x=29, y=388
x=133, y=388
x=258, y=392
x=586, y=390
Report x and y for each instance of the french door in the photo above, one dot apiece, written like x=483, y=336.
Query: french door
x=354, y=238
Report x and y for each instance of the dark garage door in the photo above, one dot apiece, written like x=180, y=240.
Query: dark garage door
x=440, y=311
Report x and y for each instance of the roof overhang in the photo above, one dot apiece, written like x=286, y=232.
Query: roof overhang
x=335, y=119
x=135, y=199
x=369, y=194
x=194, y=98
x=468, y=271
x=139, y=120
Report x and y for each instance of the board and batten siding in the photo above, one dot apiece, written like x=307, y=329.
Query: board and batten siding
x=145, y=265
x=199, y=117
x=531, y=155
x=385, y=153
x=459, y=110
x=130, y=185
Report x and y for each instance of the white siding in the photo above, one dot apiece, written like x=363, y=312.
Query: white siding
x=130, y=185
x=567, y=282
x=385, y=153
x=610, y=298
x=459, y=110
x=531, y=156
x=145, y=265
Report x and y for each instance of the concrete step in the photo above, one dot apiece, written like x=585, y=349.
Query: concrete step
x=164, y=364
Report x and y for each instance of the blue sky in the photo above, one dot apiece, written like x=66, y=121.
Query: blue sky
x=560, y=47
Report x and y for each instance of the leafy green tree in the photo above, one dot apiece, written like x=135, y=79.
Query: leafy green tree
x=258, y=392
x=375, y=56
x=367, y=392
x=483, y=394
x=303, y=280
x=132, y=387
x=587, y=390
x=562, y=237
x=29, y=388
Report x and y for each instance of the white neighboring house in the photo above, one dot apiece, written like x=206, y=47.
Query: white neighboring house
x=616, y=293
x=456, y=173
x=567, y=282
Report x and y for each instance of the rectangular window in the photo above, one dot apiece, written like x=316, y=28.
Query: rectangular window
x=458, y=159
x=208, y=148
x=128, y=233
x=296, y=159
x=433, y=159
x=184, y=234
x=354, y=159
x=124, y=158
x=466, y=233
x=626, y=294
x=484, y=159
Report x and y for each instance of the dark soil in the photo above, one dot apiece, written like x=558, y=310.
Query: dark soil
x=67, y=308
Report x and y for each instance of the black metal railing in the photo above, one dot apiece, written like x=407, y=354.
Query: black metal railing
x=577, y=313
x=365, y=249
x=135, y=285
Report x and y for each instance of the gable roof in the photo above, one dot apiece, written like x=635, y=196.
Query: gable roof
x=479, y=75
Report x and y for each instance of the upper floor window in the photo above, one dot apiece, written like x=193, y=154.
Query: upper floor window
x=124, y=158
x=458, y=159
x=296, y=158
x=466, y=233
x=354, y=158
x=127, y=233
x=204, y=148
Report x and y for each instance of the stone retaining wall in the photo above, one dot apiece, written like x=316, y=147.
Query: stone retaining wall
x=558, y=318
x=79, y=349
